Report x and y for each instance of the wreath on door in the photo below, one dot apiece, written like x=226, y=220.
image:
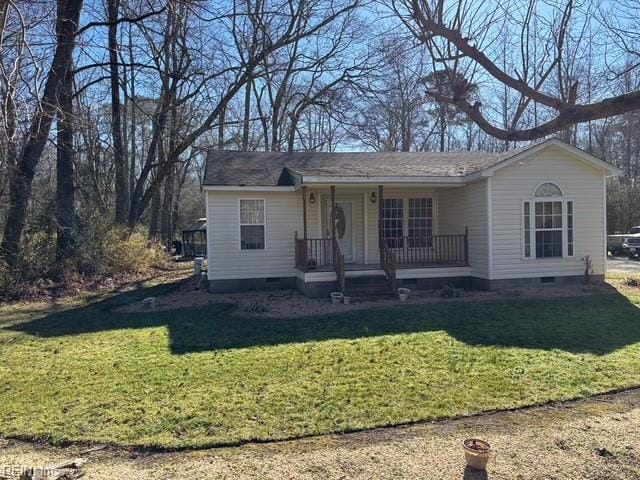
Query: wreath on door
x=341, y=222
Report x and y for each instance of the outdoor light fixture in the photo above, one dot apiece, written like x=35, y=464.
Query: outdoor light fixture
x=312, y=198
x=373, y=197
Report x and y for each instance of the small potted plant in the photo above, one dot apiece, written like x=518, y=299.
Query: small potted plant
x=403, y=294
x=336, y=297
x=476, y=452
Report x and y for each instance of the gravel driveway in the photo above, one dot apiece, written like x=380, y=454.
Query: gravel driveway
x=623, y=265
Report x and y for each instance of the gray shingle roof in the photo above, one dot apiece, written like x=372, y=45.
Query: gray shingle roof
x=225, y=167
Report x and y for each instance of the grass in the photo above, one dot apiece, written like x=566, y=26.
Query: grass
x=207, y=376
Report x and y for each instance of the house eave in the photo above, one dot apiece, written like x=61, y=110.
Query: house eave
x=319, y=180
x=248, y=188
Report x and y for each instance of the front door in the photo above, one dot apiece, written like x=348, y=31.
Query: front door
x=344, y=229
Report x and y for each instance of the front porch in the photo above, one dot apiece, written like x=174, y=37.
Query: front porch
x=406, y=245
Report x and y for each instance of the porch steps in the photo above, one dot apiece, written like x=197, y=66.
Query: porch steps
x=363, y=288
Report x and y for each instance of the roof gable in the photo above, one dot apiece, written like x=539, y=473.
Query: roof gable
x=574, y=152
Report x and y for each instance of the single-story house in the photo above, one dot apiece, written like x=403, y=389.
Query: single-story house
x=324, y=222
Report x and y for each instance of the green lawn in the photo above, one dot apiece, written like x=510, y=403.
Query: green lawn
x=200, y=377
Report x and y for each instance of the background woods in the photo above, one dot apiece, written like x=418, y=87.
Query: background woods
x=108, y=106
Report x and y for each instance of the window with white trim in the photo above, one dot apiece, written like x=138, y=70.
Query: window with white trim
x=414, y=222
x=527, y=229
x=570, y=228
x=392, y=221
x=252, y=224
x=548, y=228
x=420, y=222
x=548, y=224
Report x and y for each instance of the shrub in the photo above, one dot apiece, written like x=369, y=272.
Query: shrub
x=4, y=275
x=37, y=255
x=450, y=291
x=632, y=282
x=124, y=252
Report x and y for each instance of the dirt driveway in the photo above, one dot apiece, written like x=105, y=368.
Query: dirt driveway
x=590, y=439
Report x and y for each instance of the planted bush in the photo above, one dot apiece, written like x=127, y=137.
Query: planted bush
x=124, y=252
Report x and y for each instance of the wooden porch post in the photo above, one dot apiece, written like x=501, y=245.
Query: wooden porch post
x=333, y=212
x=304, y=212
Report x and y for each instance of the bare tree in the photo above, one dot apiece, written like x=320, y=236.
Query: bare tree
x=460, y=36
x=68, y=15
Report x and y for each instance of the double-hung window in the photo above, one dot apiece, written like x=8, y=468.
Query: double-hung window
x=548, y=223
x=252, y=224
x=414, y=222
x=420, y=222
x=392, y=221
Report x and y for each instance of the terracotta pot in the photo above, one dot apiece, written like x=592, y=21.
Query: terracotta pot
x=476, y=452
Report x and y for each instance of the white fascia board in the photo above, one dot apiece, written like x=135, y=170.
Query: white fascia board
x=396, y=180
x=247, y=188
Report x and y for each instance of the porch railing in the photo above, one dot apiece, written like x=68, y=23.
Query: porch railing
x=432, y=250
x=313, y=253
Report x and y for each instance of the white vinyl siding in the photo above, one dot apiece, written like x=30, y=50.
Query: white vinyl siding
x=467, y=207
x=283, y=215
x=579, y=182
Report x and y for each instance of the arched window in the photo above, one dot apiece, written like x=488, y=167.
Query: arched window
x=548, y=225
x=548, y=189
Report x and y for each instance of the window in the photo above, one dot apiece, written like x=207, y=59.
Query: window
x=420, y=222
x=252, y=225
x=569, y=228
x=392, y=221
x=548, y=224
x=548, y=190
x=527, y=229
x=414, y=222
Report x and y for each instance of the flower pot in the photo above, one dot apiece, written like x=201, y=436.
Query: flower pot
x=403, y=294
x=476, y=452
x=346, y=300
x=336, y=297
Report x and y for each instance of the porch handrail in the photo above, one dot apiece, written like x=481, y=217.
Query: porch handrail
x=313, y=252
x=433, y=249
x=338, y=265
x=389, y=264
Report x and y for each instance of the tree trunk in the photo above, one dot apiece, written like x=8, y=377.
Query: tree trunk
x=155, y=215
x=65, y=190
x=121, y=187
x=167, y=207
x=247, y=113
x=221, y=129
x=68, y=16
x=443, y=133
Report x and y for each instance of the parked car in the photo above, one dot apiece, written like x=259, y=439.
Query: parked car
x=631, y=245
x=617, y=244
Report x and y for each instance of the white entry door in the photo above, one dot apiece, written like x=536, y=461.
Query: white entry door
x=344, y=235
